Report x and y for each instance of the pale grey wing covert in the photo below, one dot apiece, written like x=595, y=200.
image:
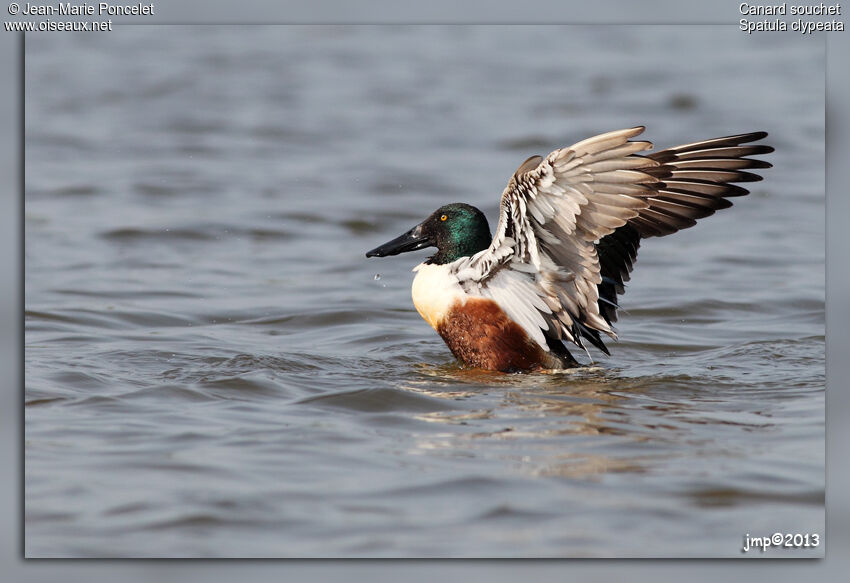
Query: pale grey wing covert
x=542, y=266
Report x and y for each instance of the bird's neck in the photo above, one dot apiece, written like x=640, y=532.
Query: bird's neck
x=464, y=244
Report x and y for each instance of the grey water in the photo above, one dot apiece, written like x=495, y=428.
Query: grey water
x=214, y=369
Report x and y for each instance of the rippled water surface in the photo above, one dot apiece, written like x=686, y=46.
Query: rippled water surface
x=213, y=368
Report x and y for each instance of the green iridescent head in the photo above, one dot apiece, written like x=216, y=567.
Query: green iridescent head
x=456, y=230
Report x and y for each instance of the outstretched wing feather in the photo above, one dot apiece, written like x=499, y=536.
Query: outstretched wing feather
x=570, y=225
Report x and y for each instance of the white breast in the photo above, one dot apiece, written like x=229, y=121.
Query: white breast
x=435, y=290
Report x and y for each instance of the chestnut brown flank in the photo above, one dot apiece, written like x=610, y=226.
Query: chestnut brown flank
x=480, y=334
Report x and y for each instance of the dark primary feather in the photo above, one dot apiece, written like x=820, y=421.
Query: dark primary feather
x=696, y=181
x=617, y=254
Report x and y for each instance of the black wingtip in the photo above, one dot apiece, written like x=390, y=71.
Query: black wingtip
x=592, y=336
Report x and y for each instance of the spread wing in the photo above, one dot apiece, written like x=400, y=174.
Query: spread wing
x=569, y=226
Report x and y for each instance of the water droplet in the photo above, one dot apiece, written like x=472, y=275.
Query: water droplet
x=377, y=276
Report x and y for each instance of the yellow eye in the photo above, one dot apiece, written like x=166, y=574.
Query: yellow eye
x=443, y=218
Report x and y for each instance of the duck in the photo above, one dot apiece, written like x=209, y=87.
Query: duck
x=567, y=238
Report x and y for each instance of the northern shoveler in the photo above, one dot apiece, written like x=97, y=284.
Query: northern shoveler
x=569, y=229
